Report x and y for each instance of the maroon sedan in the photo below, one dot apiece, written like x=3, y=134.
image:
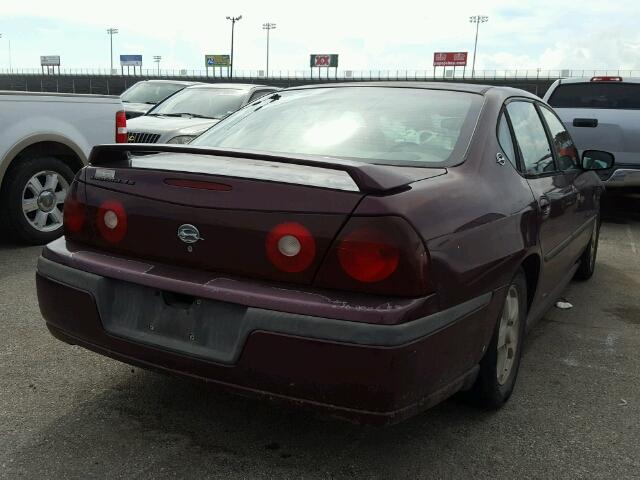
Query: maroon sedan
x=368, y=249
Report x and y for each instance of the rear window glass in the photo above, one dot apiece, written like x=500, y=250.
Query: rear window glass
x=150, y=92
x=621, y=96
x=201, y=102
x=405, y=126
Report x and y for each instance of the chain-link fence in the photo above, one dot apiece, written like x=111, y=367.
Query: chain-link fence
x=341, y=74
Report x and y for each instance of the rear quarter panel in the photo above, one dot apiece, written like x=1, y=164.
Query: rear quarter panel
x=479, y=221
x=78, y=121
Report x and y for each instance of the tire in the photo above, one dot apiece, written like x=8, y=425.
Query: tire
x=43, y=221
x=495, y=383
x=588, y=257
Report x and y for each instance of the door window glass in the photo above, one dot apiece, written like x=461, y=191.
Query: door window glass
x=531, y=138
x=565, y=149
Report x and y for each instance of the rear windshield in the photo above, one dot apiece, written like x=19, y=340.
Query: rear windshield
x=202, y=102
x=150, y=92
x=613, y=95
x=397, y=126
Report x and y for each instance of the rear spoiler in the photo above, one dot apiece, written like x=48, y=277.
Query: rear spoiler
x=368, y=177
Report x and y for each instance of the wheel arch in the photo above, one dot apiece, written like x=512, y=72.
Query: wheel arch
x=44, y=145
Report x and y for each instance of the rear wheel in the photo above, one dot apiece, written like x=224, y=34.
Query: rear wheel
x=588, y=258
x=500, y=364
x=33, y=199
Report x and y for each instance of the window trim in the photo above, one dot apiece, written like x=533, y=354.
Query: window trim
x=521, y=164
x=516, y=148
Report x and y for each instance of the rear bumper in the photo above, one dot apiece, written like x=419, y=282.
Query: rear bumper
x=375, y=373
x=624, y=176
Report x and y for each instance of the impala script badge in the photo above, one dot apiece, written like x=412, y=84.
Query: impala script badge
x=189, y=233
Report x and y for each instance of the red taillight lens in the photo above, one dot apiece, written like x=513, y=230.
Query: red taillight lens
x=379, y=255
x=368, y=255
x=73, y=214
x=111, y=220
x=606, y=79
x=121, y=127
x=290, y=247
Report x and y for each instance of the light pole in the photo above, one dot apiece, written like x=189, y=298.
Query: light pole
x=477, y=19
x=111, y=32
x=157, y=58
x=233, y=24
x=268, y=27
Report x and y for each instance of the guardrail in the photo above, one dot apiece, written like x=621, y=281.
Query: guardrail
x=331, y=74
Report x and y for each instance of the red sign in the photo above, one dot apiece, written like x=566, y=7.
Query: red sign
x=450, y=59
x=322, y=60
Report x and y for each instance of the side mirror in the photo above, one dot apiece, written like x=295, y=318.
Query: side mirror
x=597, y=160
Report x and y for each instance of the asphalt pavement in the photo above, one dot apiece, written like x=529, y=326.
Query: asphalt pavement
x=68, y=413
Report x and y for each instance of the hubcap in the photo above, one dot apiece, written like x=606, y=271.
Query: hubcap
x=43, y=199
x=508, y=335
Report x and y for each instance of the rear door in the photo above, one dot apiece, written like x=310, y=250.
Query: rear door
x=552, y=190
x=602, y=115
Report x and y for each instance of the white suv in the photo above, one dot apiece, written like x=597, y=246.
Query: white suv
x=603, y=113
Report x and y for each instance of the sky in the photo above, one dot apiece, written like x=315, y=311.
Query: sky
x=372, y=35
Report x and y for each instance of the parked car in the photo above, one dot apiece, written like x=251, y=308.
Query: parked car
x=603, y=113
x=45, y=138
x=146, y=94
x=368, y=249
x=188, y=113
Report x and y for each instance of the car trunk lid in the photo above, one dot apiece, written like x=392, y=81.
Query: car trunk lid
x=215, y=212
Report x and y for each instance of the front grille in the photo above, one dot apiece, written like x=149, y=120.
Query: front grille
x=142, y=137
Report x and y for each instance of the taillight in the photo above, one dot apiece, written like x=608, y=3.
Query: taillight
x=606, y=79
x=73, y=212
x=111, y=220
x=368, y=255
x=121, y=127
x=290, y=247
x=381, y=255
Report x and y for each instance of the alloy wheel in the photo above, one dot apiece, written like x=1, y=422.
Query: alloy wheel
x=508, y=335
x=43, y=199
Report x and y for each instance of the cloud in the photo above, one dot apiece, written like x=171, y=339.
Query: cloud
x=367, y=35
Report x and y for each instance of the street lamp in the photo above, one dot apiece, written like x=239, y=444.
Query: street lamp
x=157, y=58
x=268, y=27
x=111, y=32
x=233, y=24
x=477, y=19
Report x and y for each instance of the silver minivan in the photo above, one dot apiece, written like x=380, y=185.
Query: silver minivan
x=603, y=113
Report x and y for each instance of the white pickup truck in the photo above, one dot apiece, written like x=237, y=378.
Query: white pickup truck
x=44, y=139
x=603, y=113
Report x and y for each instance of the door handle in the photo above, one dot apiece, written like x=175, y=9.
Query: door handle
x=585, y=122
x=545, y=207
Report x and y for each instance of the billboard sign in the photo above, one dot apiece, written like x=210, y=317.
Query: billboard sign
x=324, y=60
x=217, y=61
x=130, y=60
x=450, y=59
x=50, y=60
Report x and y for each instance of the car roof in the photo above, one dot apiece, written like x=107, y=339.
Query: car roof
x=450, y=86
x=231, y=86
x=564, y=81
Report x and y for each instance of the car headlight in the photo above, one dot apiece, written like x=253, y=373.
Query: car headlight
x=182, y=139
